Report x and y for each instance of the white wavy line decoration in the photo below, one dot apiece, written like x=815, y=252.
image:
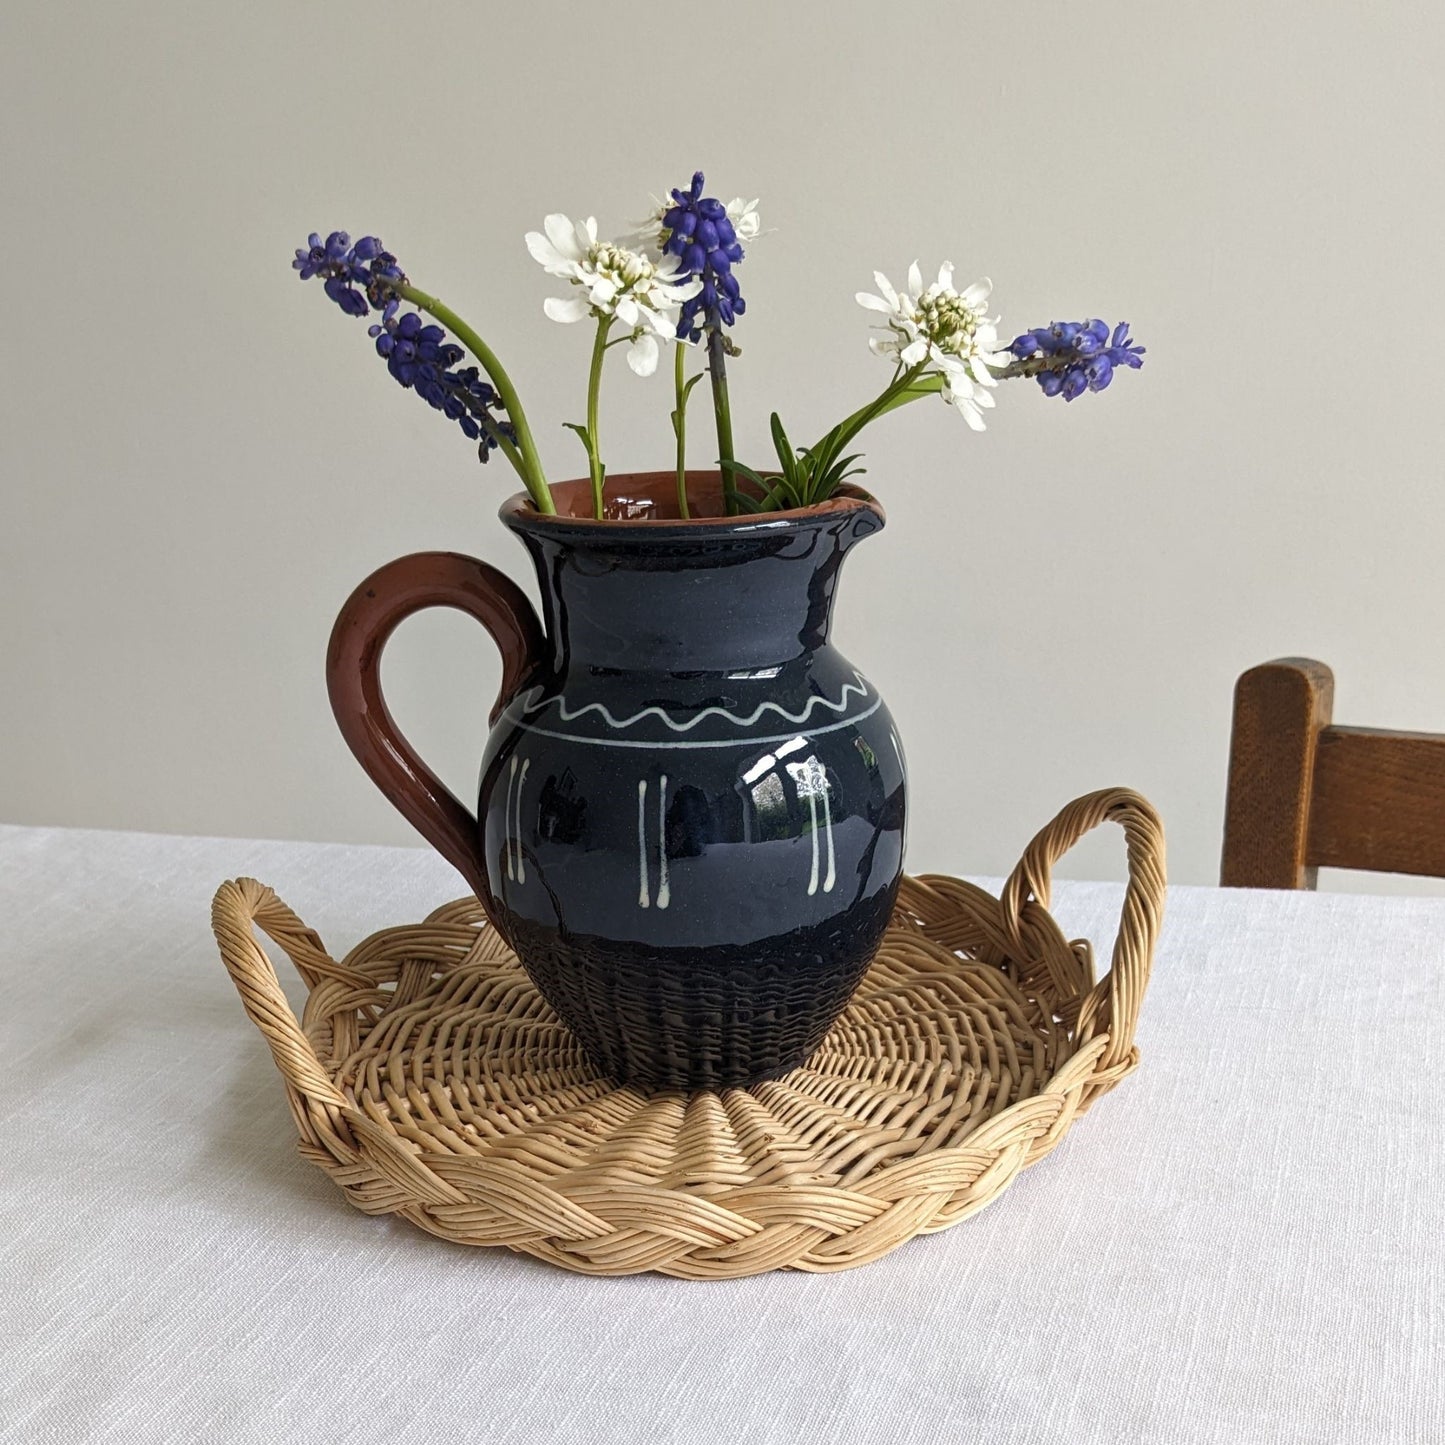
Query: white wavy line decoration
x=617, y=724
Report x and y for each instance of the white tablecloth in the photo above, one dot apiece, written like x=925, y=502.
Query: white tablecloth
x=1245, y=1242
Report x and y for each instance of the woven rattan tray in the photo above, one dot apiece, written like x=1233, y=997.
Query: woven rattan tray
x=430, y=1080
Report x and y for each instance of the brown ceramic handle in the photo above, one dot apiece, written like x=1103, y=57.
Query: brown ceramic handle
x=353, y=677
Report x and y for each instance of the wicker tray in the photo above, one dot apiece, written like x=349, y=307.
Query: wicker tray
x=430, y=1080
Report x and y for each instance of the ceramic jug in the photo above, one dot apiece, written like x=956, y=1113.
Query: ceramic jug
x=691, y=813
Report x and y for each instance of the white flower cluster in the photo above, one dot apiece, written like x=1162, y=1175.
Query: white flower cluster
x=747, y=224
x=642, y=292
x=944, y=329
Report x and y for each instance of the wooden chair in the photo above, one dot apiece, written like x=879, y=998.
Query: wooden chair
x=1305, y=794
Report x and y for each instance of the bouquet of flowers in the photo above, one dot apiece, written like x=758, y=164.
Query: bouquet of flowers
x=674, y=280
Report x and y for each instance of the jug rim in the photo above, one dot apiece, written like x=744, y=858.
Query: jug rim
x=653, y=495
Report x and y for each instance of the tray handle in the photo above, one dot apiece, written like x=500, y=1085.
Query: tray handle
x=1112, y=1004
x=240, y=907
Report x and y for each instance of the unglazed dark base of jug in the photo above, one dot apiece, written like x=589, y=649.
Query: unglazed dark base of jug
x=726, y=1016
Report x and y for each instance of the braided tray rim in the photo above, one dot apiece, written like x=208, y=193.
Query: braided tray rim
x=937, y=1130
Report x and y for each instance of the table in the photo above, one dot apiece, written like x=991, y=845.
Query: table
x=1245, y=1242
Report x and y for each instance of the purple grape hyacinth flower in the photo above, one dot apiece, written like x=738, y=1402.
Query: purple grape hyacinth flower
x=344, y=267
x=418, y=354
x=1069, y=358
x=701, y=235
x=420, y=358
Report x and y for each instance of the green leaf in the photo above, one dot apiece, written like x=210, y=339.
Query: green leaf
x=786, y=492
x=823, y=485
x=786, y=455
x=842, y=470
x=584, y=436
x=738, y=469
x=780, y=438
x=826, y=449
x=924, y=386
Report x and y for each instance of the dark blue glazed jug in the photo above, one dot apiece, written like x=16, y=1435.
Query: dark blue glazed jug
x=692, y=804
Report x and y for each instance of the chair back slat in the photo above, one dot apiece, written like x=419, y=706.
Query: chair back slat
x=1378, y=801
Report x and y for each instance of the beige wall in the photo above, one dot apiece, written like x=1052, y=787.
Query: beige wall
x=200, y=457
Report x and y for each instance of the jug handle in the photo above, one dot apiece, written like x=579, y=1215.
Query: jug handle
x=353, y=679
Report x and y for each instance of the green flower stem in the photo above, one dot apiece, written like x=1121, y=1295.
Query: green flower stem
x=594, y=390
x=524, y=455
x=679, y=422
x=722, y=414
x=925, y=386
x=1032, y=366
x=903, y=388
